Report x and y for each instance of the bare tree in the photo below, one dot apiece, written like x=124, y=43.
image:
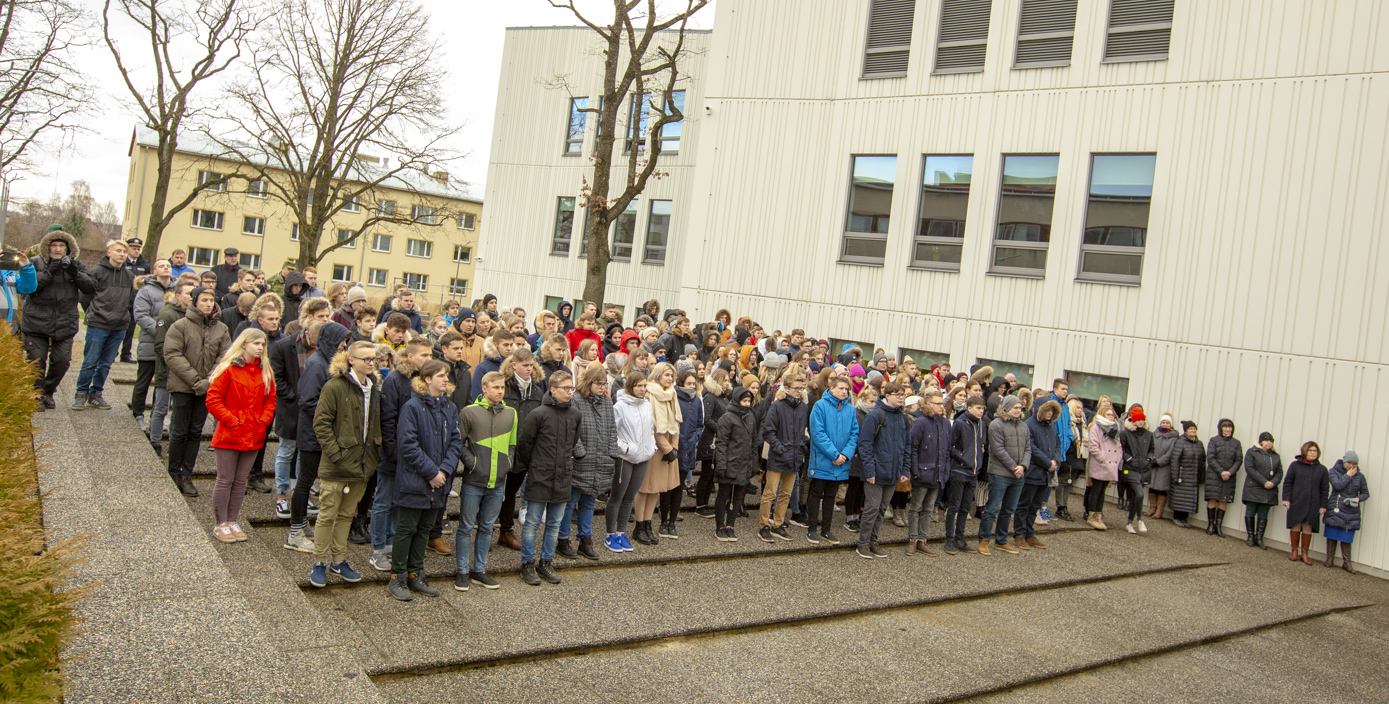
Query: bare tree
x=344, y=103
x=207, y=33
x=640, y=47
x=41, y=91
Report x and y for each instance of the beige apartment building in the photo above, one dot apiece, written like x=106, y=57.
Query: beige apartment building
x=436, y=260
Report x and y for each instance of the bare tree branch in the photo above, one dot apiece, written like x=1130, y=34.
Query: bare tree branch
x=42, y=94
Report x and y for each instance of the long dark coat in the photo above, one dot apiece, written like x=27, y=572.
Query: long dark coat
x=1261, y=466
x=1188, y=464
x=1223, y=455
x=1306, y=488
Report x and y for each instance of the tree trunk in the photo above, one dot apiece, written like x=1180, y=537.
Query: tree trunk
x=158, y=221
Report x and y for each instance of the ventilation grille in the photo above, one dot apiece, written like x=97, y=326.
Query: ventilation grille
x=1139, y=30
x=889, y=38
x=1045, y=33
x=964, y=35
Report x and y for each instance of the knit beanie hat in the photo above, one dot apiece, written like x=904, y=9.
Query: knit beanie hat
x=1265, y=436
x=1008, y=402
x=1136, y=415
x=748, y=379
x=684, y=365
x=356, y=293
x=1351, y=457
x=1188, y=424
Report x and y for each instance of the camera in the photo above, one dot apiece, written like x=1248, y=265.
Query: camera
x=9, y=261
x=65, y=262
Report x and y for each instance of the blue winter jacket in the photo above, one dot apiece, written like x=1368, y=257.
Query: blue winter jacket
x=427, y=442
x=833, y=432
x=21, y=282
x=886, y=457
x=395, y=393
x=311, y=381
x=930, y=451
x=691, y=427
x=1046, y=447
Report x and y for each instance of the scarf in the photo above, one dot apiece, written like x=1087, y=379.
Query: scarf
x=1108, y=427
x=865, y=406
x=664, y=407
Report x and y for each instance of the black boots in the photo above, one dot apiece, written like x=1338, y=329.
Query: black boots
x=1214, y=518
x=1249, y=531
x=528, y=574
x=1210, y=521
x=357, y=534
x=564, y=548
x=644, y=535
x=547, y=572
x=586, y=548
x=1330, y=552
x=1345, y=558
x=1220, y=523
x=1259, y=525
x=1064, y=514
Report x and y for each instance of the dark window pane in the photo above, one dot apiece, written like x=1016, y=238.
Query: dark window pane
x=926, y=252
x=1116, y=236
x=943, y=228
x=1121, y=194
x=1023, y=232
x=564, y=226
x=1020, y=258
x=657, y=231
x=870, y=197
x=624, y=232
x=577, y=118
x=865, y=248
x=944, y=196
x=1026, y=197
x=1113, y=264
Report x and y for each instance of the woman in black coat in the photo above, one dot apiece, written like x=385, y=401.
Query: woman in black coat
x=1188, y=465
x=736, y=454
x=1224, y=455
x=1305, y=489
x=1263, y=470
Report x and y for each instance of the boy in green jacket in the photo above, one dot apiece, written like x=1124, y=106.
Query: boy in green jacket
x=488, y=428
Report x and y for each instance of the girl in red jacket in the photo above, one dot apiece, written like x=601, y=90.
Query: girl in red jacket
x=241, y=396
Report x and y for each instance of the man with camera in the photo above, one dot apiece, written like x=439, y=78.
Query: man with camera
x=50, y=314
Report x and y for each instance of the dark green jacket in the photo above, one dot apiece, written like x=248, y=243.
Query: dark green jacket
x=350, y=451
x=171, y=313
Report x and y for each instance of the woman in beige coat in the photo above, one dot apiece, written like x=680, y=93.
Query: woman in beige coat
x=663, y=474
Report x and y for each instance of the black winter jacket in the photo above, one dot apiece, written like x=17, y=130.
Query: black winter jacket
x=737, y=450
x=51, y=310
x=1188, y=461
x=969, y=444
x=1306, y=488
x=1046, y=447
x=113, y=295
x=1138, y=455
x=715, y=405
x=395, y=393
x=1343, y=506
x=930, y=451
x=1261, y=466
x=524, y=403
x=547, y=447
x=315, y=374
x=1223, y=455
x=783, y=429
x=426, y=443
x=886, y=457
x=284, y=361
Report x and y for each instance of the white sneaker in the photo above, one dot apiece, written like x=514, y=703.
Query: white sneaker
x=380, y=561
x=453, y=494
x=1041, y=521
x=887, y=514
x=1142, y=527
x=299, y=542
x=1129, y=528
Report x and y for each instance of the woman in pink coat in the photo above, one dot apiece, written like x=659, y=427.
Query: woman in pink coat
x=1102, y=466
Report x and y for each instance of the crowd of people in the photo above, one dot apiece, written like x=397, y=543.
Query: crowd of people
x=380, y=414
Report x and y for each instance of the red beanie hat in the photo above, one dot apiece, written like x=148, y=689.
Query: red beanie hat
x=1137, y=415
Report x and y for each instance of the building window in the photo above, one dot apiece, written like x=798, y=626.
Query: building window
x=257, y=189
x=1139, y=30
x=416, y=282
x=347, y=237
x=1090, y=387
x=466, y=221
x=422, y=214
x=342, y=272
x=923, y=358
x=419, y=248
x=294, y=232
x=564, y=227
x=552, y=303
x=207, y=219
x=574, y=136
x=202, y=256
x=870, y=206
x=839, y=345
x=251, y=225
x=670, y=132
x=380, y=243
x=462, y=254
x=657, y=232
x=624, y=233
x=351, y=205
x=964, y=36
x=1116, y=217
x=940, y=226
x=248, y=261
x=1023, y=372
x=377, y=277
x=889, y=38
x=458, y=287
x=638, y=118
x=205, y=176
x=1046, y=30
x=385, y=208
x=1025, y=201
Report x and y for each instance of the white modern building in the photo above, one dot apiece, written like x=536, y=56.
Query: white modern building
x=1175, y=202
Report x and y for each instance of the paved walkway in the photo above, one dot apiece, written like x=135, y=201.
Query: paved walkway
x=1174, y=615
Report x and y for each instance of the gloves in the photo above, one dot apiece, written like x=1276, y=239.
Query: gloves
x=200, y=387
x=669, y=457
x=1351, y=503
x=65, y=263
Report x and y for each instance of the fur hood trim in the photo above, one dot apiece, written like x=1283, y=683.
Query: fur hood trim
x=339, y=367
x=1051, y=409
x=418, y=385
x=73, y=250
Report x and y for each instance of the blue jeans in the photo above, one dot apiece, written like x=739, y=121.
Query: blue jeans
x=284, y=457
x=793, y=508
x=384, y=515
x=553, y=514
x=478, y=507
x=97, y=355
x=585, y=504
x=1003, y=500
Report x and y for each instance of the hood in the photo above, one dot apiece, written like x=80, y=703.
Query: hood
x=566, y=309
x=489, y=349
x=628, y=399
x=73, y=250
x=153, y=282
x=329, y=337
x=608, y=331
x=418, y=386
x=1050, y=411
x=292, y=278
x=628, y=335
x=1224, y=422
x=829, y=397
x=738, y=393
x=402, y=362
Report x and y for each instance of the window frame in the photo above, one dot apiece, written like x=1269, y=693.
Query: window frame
x=294, y=232
x=376, y=238
x=637, y=120
x=351, y=204
x=918, y=238
x=1140, y=252
x=635, y=210
x=467, y=254
x=1109, y=29
x=346, y=268
x=383, y=210
x=204, y=176
x=1017, y=43
x=905, y=352
x=663, y=138
x=1002, y=368
x=371, y=277
x=846, y=234
x=349, y=242
x=221, y=220
x=262, y=192
x=193, y=257
x=247, y=260
x=646, y=245
x=455, y=289
x=1045, y=247
x=424, y=214
x=467, y=221
x=573, y=146
x=1072, y=377
x=567, y=242
x=428, y=248
x=423, y=281
x=253, y=232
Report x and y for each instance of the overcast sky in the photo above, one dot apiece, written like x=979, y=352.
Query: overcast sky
x=473, y=32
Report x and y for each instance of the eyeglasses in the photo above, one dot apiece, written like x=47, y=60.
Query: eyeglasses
x=896, y=395
x=364, y=359
x=565, y=389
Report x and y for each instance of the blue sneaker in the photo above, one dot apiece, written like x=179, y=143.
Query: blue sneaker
x=1046, y=513
x=626, y=544
x=318, y=576
x=344, y=570
x=613, y=542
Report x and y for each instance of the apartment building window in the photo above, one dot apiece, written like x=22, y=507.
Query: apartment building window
x=638, y=119
x=1090, y=387
x=248, y=261
x=419, y=248
x=458, y=287
x=202, y=256
x=381, y=243
x=1023, y=372
x=342, y=272
x=564, y=227
x=670, y=132
x=385, y=208
x=205, y=176
x=889, y=38
x=1116, y=217
x=625, y=233
x=351, y=205
x=924, y=359
x=574, y=137
x=462, y=254
x=251, y=225
x=416, y=282
x=346, y=236
x=940, y=227
x=1139, y=30
x=1046, y=30
x=422, y=214
x=870, y=207
x=1026, y=197
x=294, y=232
x=466, y=221
x=377, y=277
x=257, y=189
x=207, y=219
x=657, y=232
x=964, y=36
